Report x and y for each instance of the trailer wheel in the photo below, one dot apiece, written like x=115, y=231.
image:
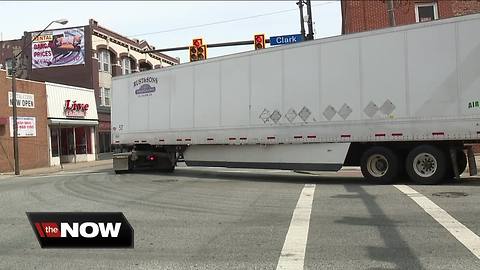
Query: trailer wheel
x=426, y=165
x=379, y=165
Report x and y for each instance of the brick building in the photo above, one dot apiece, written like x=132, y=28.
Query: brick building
x=32, y=123
x=365, y=15
x=91, y=56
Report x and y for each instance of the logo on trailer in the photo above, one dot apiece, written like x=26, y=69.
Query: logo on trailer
x=474, y=104
x=144, y=86
x=81, y=230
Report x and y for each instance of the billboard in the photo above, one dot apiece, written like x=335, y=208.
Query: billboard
x=56, y=48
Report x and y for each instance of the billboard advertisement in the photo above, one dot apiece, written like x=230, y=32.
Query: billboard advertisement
x=56, y=48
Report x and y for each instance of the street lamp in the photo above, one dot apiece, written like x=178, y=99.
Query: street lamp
x=14, y=94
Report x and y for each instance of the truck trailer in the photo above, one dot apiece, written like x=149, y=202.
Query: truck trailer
x=402, y=101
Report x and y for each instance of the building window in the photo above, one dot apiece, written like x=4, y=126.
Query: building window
x=126, y=66
x=9, y=66
x=144, y=66
x=105, y=143
x=105, y=63
x=105, y=96
x=425, y=12
x=83, y=140
x=54, y=141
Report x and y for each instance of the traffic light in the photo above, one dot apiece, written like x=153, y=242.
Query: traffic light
x=197, y=42
x=198, y=51
x=259, y=41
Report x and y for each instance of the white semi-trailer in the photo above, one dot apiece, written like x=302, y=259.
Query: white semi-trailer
x=396, y=101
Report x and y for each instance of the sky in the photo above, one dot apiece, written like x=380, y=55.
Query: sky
x=166, y=24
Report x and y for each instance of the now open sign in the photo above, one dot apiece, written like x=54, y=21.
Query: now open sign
x=23, y=100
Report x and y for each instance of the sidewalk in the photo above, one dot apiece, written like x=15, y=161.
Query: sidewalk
x=66, y=167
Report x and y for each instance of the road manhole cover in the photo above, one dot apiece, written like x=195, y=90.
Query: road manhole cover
x=165, y=180
x=450, y=194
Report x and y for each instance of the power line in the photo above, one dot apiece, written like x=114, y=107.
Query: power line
x=222, y=22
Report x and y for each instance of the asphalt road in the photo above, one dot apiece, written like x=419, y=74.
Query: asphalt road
x=242, y=219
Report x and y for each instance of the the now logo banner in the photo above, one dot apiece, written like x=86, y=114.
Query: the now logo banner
x=81, y=229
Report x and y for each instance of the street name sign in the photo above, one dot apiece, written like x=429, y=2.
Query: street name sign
x=287, y=39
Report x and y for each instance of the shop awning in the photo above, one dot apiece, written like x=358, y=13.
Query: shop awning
x=72, y=122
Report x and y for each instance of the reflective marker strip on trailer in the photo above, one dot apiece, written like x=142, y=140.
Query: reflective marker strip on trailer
x=271, y=138
x=232, y=139
x=438, y=133
x=243, y=138
x=311, y=136
x=298, y=137
x=345, y=136
x=380, y=135
x=209, y=139
x=397, y=134
x=188, y=140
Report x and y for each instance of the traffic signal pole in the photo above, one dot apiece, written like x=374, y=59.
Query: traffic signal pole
x=309, y=22
x=214, y=45
x=302, y=22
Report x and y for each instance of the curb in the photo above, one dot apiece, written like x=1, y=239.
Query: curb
x=66, y=167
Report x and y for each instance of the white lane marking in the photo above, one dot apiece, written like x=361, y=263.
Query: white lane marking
x=293, y=251
x=468, y=238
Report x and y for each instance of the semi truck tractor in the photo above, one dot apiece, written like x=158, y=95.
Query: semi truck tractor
x=398, y=102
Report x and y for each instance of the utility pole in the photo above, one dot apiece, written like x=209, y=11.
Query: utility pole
x=309, y=22
x=302, y=22
x=391, y=13
x=14, y=94
x=14, y=114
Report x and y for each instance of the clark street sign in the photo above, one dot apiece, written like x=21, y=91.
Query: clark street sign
x=287, y=39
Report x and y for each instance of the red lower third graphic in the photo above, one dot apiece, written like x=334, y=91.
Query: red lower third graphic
x=47, y=229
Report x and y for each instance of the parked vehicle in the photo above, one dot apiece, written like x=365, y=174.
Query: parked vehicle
x=397, y=101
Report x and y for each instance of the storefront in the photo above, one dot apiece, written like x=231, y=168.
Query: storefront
x=31, y=124
x=72, y=124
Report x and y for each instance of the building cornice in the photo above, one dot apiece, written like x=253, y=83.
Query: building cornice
x=116, y=38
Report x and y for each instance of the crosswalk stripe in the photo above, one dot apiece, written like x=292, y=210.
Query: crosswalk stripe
x=293, y=252
x=468, y=238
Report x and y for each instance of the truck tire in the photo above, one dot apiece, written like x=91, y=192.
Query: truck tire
x=379, y=165
x=427, y=165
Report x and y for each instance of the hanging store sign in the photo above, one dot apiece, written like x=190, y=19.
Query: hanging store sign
x=26, y=127
x=23, y=100
x=74, y=109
